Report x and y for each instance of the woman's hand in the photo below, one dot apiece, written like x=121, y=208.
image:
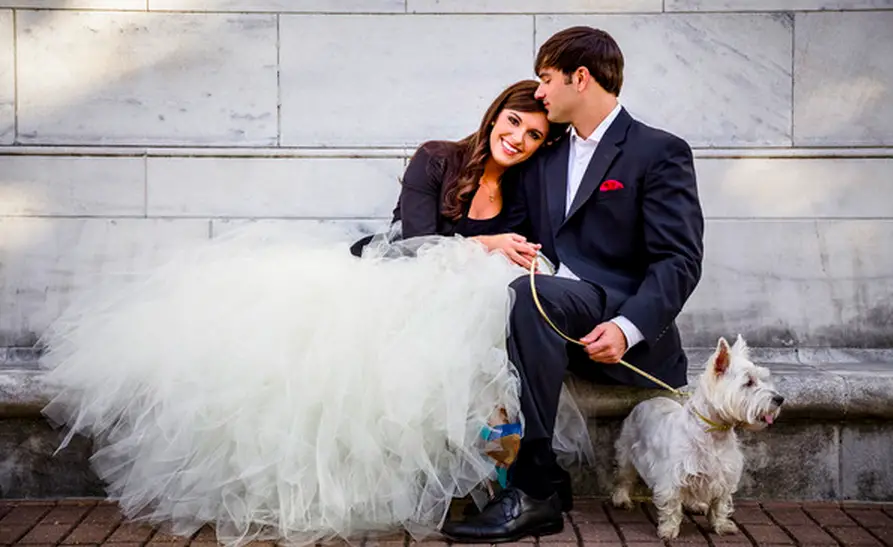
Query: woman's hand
x=514, y=246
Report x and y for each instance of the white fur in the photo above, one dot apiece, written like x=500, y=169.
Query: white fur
x=685, y=461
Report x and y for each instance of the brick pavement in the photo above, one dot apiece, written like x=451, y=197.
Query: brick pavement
x=91, y=522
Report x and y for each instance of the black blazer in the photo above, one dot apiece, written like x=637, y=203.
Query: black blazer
x=642, y=242
x=420, y=206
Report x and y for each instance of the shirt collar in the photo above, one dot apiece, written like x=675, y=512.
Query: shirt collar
x=599, y=131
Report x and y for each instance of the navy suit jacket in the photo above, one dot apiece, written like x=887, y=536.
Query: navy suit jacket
x=642, y=243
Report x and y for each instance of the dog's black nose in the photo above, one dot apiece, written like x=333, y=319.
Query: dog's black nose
x=778, y=399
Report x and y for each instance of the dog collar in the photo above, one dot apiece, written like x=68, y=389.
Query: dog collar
x=714, y=426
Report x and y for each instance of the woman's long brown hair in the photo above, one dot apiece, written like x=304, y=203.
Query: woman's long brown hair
x=464, y=160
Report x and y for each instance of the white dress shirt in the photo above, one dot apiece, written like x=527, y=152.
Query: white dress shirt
x=580, y=155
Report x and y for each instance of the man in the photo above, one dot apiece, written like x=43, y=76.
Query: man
x=616, y=208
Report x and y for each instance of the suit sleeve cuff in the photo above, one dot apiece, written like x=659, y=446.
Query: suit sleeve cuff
x=632, y=334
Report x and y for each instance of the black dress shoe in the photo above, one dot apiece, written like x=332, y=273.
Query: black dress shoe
x=561, y=483
x=510, y=516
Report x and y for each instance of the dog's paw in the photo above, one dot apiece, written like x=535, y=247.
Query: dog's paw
x=667, y=530
x=723, y=527
x=621, y=500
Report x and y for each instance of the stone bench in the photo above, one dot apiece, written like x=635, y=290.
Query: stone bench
x=833, y=440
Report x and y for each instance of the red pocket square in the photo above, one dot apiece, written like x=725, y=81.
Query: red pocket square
x=609, y=185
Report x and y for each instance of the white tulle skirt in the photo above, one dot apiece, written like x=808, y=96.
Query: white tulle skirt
x=280, y=388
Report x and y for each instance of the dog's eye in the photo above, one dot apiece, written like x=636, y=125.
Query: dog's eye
x=750, y=383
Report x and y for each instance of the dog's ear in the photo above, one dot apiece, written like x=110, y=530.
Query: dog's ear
x=741, y=348
x=721, y=357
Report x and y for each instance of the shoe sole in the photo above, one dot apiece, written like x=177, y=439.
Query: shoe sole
x=547, y=529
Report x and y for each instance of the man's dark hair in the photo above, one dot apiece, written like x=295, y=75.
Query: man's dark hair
x=584, y=46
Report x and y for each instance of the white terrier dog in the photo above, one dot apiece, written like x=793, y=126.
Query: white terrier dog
x=689, y=454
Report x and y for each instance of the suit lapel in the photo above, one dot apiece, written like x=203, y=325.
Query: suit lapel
x=601, y=161
x=556, y=183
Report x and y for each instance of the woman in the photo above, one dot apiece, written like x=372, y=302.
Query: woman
x=295, y=392
x=440, y=187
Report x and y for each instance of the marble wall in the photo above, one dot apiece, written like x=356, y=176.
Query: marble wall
x=132, y=127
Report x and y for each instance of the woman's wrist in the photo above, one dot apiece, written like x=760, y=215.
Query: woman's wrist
x=486, y=241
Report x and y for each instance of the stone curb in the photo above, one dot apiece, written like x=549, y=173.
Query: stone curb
x=839, y=391
x=21, y=394
x=846, y=390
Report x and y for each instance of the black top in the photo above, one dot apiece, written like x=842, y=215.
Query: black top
x=469, y=227
x=420, y=205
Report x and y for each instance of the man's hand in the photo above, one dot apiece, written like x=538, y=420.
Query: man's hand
x=606, y=343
